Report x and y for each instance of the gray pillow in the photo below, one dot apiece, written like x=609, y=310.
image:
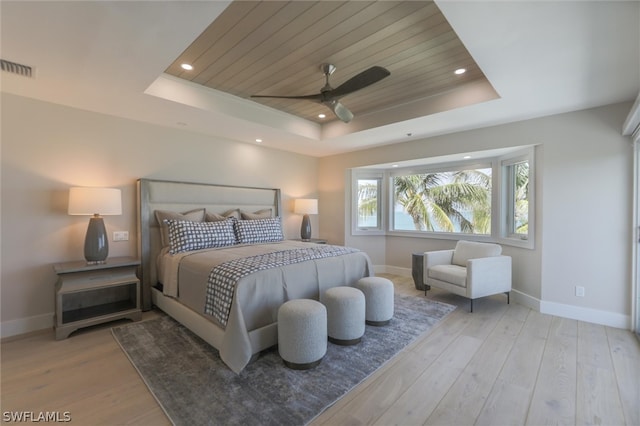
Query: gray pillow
x=196, y=215
x=260, y=214
x=215, y=217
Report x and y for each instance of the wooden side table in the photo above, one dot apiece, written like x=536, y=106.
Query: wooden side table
x=313, y=240
x=417, y=268
x=87, y=295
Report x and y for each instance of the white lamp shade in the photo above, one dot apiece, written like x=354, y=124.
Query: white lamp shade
x=306, y=206
x=90, y=201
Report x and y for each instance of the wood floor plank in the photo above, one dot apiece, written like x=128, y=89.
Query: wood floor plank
x=625, y=355
x=538, y=383
x=384, y=391
x=510, y=396
x=86, y=375
x=597, y=397
x=554, y=397
x=421, y=398
x=465, y=399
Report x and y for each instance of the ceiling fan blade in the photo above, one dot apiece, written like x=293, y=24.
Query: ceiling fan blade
x=316, y=97
x=357, y=82
x=341, y=111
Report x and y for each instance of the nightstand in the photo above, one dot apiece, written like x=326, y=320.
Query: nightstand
x=313, y=240
x=87, y=295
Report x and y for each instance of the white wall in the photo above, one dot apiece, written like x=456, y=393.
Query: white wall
x=587, y=212
x=583, y=165
x=48, y=148
x=583, y=229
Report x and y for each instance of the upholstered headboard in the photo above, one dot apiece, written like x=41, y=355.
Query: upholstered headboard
x=180, y=197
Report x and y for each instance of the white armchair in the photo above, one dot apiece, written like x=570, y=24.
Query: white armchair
x=471, y=270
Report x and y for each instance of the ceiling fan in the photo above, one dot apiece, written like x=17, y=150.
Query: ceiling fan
x=330, y=96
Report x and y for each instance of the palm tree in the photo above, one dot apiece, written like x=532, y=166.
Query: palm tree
x=367, y=199
x=447, y=200
x=411, y=193
x=521, y=213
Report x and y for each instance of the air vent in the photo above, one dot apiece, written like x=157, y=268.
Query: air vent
x=16, y=68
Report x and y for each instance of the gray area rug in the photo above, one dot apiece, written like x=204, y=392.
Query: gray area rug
x=195, y=387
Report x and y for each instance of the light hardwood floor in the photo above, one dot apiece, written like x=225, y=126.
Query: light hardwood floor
x=501, y=365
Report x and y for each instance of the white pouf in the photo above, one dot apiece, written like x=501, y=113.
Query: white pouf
x=302, y=333
x=378, y=293
x=345, y=315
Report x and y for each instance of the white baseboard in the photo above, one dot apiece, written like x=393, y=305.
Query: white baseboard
x=595, y=316
x=525, y=300
x=26, y=325
x=395, y=270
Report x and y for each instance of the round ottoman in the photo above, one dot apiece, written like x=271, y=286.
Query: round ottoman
x=302, y=333
x=345, y=315
x=378, y=293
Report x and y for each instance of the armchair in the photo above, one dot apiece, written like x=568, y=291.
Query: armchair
x=472, y=270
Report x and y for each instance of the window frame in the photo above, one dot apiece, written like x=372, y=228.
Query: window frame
x=499, y=198
x=438, y=168
x=508, y=195
x=365, y=174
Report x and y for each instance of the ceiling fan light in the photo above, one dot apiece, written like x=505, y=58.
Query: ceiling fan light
x=340, y=111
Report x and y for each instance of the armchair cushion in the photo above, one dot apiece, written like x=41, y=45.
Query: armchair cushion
x=453, y=274
x=466, y=250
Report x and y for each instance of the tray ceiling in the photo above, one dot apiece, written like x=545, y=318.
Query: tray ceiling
x=541, y=57
x=277, y=47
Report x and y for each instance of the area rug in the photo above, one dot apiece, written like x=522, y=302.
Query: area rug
x=194, y=386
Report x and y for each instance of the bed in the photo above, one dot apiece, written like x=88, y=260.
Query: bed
x=228, y=292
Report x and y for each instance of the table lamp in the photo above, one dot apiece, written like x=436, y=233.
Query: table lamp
x=305, y=206
x=95, y=202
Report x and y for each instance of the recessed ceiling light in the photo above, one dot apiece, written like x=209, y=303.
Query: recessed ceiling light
x=321, y=115
x=466, y=157
x=460, y=71
x=395, y=165
x=259, y=140
x=187, y=67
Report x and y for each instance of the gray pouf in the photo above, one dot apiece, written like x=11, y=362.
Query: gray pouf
x=378, y=293
x=302, y=333
x=345, y=315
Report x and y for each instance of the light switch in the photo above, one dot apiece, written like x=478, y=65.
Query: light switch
x=121, y=236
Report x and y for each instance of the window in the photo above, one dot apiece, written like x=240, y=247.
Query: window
x=451, y=201
x=517, y=186
x=367, y=206
x=490, y=199
x=518, y=200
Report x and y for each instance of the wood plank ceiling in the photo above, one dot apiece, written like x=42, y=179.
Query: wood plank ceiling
x=277, y=47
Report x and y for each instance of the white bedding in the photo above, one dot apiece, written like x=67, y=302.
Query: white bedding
x=259, y=295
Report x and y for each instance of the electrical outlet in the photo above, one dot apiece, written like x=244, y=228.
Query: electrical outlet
x=121, y=236
x=579, y=291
